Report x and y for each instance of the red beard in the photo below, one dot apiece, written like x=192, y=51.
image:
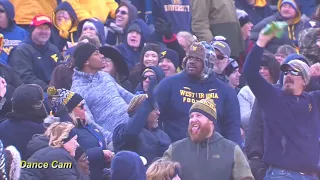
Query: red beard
x=202, y=134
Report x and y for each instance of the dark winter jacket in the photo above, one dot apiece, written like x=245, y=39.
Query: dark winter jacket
x=159, y=74
x=18, y=130
x=56, y=39
x=52, y=156
x=34, y=64
x=135, y=136
x=176, y=94
x=100, y=28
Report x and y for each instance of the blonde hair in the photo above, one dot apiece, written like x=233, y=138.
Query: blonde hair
x=188, y=36
x=162, y=169
x=93, y=39
x=57, y=132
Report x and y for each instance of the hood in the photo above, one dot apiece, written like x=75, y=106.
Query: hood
x=298, y=17
x=159, y=73
x=288, y=59
x=7, y=5
x=37, y=142
x=67, y=7
x=98, y=24
x=127, y=165
x=132, y=10
x=146, y=33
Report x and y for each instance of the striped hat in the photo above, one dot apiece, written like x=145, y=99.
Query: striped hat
x=207, y=107
x=299, y=66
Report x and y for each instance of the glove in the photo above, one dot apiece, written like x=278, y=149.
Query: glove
x=151, y=95
x=164, y=28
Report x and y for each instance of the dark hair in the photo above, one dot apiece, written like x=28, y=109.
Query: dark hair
x=273, y=65
x=149, y=47
x=286, y=50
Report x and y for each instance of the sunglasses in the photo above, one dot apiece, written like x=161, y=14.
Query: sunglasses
x=220, y=57
x=121, y=12
x=148, y=77
x=81, y=106
x=293, y=72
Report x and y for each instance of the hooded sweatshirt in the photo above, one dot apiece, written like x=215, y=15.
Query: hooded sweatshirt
x=176, y=94
x=159, y=74
x=291, y=122
x=99, y=26
x=131, y=56
x=116, y=35
x=56, y=39
x=13, y=34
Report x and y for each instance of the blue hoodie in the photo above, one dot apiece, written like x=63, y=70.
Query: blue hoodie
x=176, y=94
x=127, y=165
x=56, y=39
x=100, y=28
x=13, y=35
x=131, y=56
x=291, y=122
x=159, y=74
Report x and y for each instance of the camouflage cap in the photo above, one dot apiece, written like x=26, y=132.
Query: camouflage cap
x=307, y=44
x=299, y=66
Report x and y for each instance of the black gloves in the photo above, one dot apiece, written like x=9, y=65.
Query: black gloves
x=164, y=28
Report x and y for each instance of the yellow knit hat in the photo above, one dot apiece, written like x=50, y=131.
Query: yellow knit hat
x=207, y=107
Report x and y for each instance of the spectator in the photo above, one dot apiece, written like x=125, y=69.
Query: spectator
x=185, y=40
x=223, y=53
x=137, y=34
x=9, y=163
x=147, y=74
x=149, y=56
x=176, y=12
x=291, y=144
x=35, y=59
x=3, y=91
x=83, y=163
x=125, y=14
x=315, y=19
x=144, y=9
x=201, y=130
x=233, y=74
x=127, y=165
x=142, y=134
x=257, y=10
x=99, y=89
x=270, y=71
x=177, y=93
x=309, y=44
x=163, y=169
x=92, y=26
x=288, y=11
x=100, y=9
x=61, y=148
x=12, y=33
x=116, y=66
x=169, y=62
x=65, y=26
x=215, y=17
x=283, y=52
x=26, y=118
x=62, y=74
x=308, y=7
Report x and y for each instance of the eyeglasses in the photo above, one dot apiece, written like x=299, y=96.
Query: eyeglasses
x=81, y=106
x=84, y=159
x=220, y=57
x=106, y=60
x=121, y=12
x=293, y=72
x=148, y=77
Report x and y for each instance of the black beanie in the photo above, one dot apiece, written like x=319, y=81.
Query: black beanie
x=243, y=17
x=79, y=152
x=171, y=55
x=232, y=66
x=82, y=54
x=149, y=47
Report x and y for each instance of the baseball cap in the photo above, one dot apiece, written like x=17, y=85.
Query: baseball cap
x=223, y=47
x=299, y=66
x=39, y=20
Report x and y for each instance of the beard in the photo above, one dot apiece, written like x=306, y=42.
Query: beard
x=204, y=132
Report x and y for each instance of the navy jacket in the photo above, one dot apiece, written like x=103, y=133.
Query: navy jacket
x=100, y=28
x=18, y=131
x=256, y=14
x=34, y=64
x=133, y=136
x=291, y=122
x=13, y=35
x=56, y=39
x=176, y=94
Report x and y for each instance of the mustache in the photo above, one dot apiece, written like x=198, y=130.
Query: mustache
x=289, y=80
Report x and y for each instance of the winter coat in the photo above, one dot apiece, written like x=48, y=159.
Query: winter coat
x=246, y=99
x=215, y=157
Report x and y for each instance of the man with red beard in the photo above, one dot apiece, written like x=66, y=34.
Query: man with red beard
x=205, y=154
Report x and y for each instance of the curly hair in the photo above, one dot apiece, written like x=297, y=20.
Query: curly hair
x=57, y=132
x=162, y=169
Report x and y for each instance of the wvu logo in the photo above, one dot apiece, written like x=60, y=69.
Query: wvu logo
x=194, y=48
x=176, y=2
x=54, y=57
x=310, y=107
x=163, y=53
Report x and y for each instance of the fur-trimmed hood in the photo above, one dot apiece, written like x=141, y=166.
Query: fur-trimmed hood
x=12, y=160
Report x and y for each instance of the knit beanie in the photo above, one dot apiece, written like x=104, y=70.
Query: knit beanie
x=299, y=66
x=232, y=65
x=135, y=102
x=67, y=98
x=207, y=107
x=79, y=152
x=171, y=55
x=208, y=61
x=82, y=54
x=134, y=27
x=243, y=17
x=291, y=2
x=149, y=47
